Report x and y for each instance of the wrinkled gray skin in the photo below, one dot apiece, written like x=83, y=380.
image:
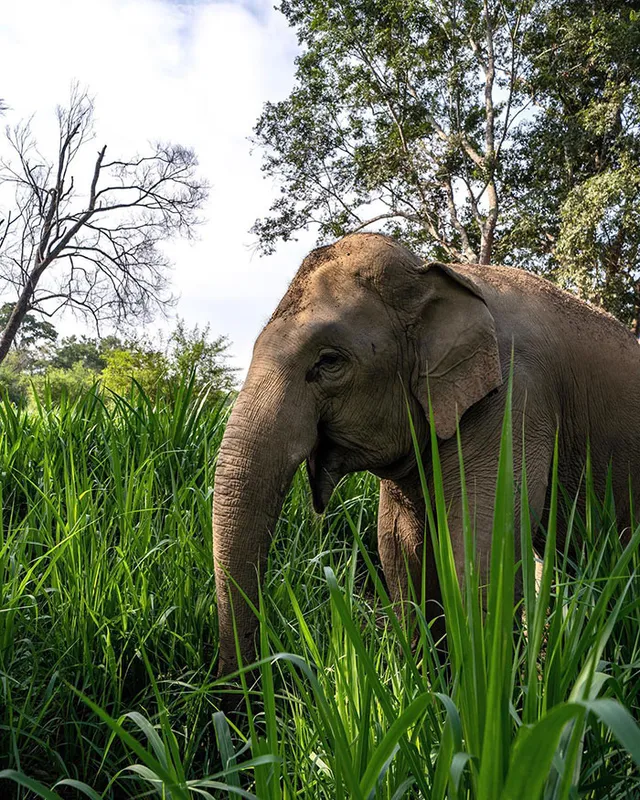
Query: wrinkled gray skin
x=364, y=318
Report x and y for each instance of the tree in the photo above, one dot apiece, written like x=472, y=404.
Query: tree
x=14, y=380
x=160, y=370
x=29, y=354
x=96, y=249
x=477, y=130
x=192, y=351
x=401, y=112
x=575, y=213
x=40, y=365
x=56, y=383
x=89, y=353
x=137, y=361
x=33, y=331
x=31, y=348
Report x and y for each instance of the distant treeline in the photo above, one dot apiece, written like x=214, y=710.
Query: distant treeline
x=41, y=361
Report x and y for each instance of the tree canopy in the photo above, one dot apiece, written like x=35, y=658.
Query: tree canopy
x=477, y=130
x=576, y=163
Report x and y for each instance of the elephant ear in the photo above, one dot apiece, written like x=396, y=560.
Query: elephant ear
x=456, y=343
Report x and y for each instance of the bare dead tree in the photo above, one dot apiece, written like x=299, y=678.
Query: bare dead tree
x=95, y=249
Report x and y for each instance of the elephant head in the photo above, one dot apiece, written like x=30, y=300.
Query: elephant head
x=362, y=326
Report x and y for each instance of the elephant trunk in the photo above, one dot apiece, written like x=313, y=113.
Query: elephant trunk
x=267, y=437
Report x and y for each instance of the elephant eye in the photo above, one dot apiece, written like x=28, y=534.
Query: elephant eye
x=328, y=360
x=327, y=364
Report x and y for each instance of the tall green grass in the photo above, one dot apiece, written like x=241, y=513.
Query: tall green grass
x=108, y=633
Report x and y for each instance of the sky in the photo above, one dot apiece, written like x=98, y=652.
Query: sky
x=195, y=73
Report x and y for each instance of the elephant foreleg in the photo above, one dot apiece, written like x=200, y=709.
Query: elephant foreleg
x=402, y=550
x=401, y=523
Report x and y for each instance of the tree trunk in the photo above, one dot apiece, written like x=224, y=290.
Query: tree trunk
x=19, y=312
x=489, y=227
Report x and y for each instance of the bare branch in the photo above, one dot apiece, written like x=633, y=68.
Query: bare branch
x=99, y=254
x=389, y=215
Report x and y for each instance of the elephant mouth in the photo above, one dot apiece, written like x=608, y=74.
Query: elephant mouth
x=322, y=478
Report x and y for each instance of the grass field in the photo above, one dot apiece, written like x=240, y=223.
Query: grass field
x=108, y=634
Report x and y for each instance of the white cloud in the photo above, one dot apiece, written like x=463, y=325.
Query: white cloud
x=194, y=73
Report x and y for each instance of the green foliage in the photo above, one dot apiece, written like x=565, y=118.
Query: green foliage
x=141, y=364
x=108, y=633
x=576, y=202
x=599, y=239
x=32, y=331
x=14, y=381
x=389, y=118
x=191, y=351
x=91, y=353
x=74, y=365
x=31, y=350
x=57, y=383
x=479, y=131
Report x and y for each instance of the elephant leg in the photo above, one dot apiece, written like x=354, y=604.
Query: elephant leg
x=401, y=516
x=480, y=478
x=401, y=547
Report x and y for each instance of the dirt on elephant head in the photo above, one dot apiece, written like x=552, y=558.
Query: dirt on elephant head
x=291, y=303
x=368, y=253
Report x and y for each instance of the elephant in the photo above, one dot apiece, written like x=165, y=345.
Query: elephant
x=369, y=334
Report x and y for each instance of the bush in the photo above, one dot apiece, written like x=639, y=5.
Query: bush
x=14, y=383
x=57, y=383
x=148, y=368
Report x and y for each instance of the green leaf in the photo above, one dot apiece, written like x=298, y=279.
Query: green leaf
x=533, y=753
x=386, y=748
x=30, y=783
